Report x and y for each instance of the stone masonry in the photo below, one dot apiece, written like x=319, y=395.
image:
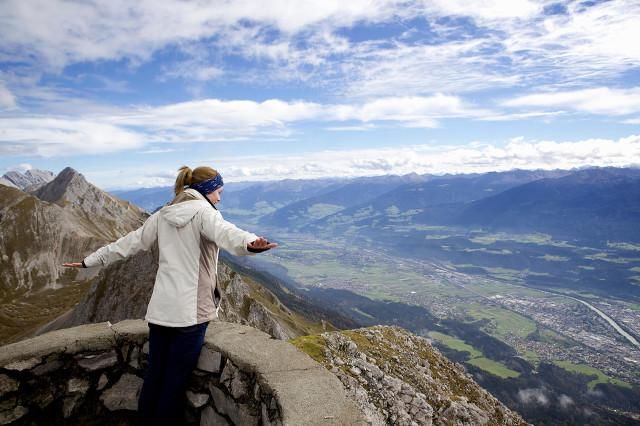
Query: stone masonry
x=92, y=374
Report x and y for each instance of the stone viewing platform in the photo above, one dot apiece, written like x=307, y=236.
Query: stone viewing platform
x=92, y=374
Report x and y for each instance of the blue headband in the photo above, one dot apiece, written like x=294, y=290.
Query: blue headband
x=207, y=186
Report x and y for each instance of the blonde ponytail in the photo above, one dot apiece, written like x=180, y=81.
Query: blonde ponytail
x=186, y=176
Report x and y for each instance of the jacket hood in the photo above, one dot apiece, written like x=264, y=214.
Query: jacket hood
x=181, y=213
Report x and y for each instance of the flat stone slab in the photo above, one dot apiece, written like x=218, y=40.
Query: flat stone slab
x=99, y=361
x=7, y=384
x=209, y=360
x=88, y=337
x=307, y=393
x=253, y=350
x=312, y=397
x=135, y=331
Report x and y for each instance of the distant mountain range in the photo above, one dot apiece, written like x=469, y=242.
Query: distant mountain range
x=28, y=181
x=601, y=204
x=588, y=204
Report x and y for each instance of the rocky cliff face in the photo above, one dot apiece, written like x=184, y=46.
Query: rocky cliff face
x=100, y=212
x=398, y=378
x=35, y=238
x=6, y=182
x=39, y=232
x=61, y=221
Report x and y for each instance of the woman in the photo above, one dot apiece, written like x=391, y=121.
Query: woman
x=185, y=297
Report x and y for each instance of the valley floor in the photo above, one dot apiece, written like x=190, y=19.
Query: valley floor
x=551, y=326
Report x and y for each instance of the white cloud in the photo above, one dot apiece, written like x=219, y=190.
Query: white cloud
x=565, y=401
x=209, y=120
x=60, y=33
x=513, y=42
x=520, y=116
x=216, y=120
x=600, y=100
x=435, y=159
x=533, y=396
x=196, y=69
x=585, y=44
x=7, y=99
x=486, y=9
x=377, y=69
x=514, y=47
x=22, y=167
x=45, y=136
x=438, y=159
x=364, y=128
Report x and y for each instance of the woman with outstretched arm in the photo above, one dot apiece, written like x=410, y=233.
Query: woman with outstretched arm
x=189, y=231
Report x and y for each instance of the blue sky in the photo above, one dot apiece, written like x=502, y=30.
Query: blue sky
x=127, y=92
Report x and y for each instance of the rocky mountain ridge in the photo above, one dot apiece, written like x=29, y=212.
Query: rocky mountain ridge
x=398, y=378
x=56, y=223
x=39, y=232
x=107, y=215
x=27, y=181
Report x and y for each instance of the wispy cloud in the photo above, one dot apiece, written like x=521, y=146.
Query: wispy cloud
x=439, y=159
x=62, y=136
x=60, y=33
x=533, y=396
x=473, y=157
x=209, y=120
x=7, y=99
x=600, y=100
x=503, y=43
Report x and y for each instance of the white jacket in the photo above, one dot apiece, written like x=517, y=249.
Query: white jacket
x=189, y=232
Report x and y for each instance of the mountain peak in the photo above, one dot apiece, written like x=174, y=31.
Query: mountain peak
x=71, y=191
x=67, y=187
x=69, y=171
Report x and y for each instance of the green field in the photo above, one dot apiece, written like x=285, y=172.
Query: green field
x=476, y=357
x=532, y=357
x=493, y=367
x=455, y=344
x=502, y=322
x=590, y=371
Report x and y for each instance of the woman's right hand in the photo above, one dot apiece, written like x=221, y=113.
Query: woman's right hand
x=73, y=264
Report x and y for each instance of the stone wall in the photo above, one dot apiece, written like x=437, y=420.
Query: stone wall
x=92, y=374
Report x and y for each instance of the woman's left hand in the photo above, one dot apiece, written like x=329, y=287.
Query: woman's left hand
x=73, y=264
x=260, y=245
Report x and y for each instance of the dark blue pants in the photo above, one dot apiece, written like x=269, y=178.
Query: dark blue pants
x=173, y=354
